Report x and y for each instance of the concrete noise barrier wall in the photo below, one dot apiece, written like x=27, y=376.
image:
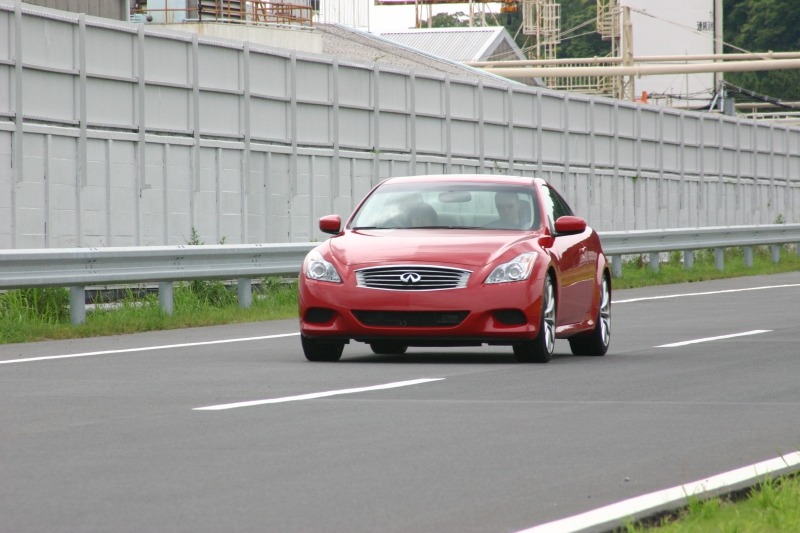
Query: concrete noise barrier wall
x=116, y=134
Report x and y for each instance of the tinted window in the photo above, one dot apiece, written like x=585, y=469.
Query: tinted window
x=555, y=206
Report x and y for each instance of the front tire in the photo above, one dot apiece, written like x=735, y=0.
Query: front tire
x=598, y=340
x=316, y=350
x=540, y=349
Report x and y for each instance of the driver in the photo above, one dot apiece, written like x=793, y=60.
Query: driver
x=508, y=207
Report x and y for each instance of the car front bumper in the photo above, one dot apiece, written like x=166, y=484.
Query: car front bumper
x=493, y=314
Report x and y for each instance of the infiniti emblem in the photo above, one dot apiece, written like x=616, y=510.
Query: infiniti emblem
x=410, y=277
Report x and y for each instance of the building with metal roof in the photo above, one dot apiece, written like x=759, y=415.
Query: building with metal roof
x=492, y=43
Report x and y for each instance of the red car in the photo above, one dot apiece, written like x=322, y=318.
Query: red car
x=457, y=260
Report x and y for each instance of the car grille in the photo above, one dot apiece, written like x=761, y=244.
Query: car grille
x=411, y=319
x=412, y=278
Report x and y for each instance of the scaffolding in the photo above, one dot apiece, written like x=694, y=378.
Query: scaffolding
x=542, y=19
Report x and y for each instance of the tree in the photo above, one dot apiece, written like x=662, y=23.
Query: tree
x=447, y=20
x=761, y=26
x=579, y=30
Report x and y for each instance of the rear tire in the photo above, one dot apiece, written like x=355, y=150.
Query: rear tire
x=598, y=340
x=316, y=350
x=388, y=348
x=540, y=349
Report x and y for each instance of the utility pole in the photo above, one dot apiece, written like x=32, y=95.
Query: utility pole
x=718, y=49
x=628, y=92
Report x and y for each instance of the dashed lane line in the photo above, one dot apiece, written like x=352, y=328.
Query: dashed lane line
x=718, y=338
x=683, y=295
x=316, y=395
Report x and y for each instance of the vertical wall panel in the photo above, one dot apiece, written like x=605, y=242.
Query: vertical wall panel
x=123, y=194
x=110, y=52
x=111, y=103
x=395, y=133
x=255, y=197
x=230, y=206
x=463, y=101
x=206, y=197
x=394, y=91
x=269, y=75
x=168, y=109
x=219, y=113
x=429, y=96
x=313, y=82
x=178, y=181
x=94, y=208
x=269, y=120
x=6, y=192
x=152, y=204
x=314, y=124
x=63, y=190
x=167, y=60
x=279, y=199
x=50, y=42
x=219, y=67
x=31, y=196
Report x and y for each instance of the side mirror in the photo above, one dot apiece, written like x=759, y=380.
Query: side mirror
x=569, y=225
x=330, y=224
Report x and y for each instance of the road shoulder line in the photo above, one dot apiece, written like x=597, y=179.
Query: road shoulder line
x=617, y=514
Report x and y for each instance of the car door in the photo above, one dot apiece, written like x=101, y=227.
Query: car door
x=574, y=260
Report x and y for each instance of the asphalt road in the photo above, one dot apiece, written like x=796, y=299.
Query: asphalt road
x=111, y=439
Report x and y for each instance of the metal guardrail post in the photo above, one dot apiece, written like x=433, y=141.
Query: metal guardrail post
x=719, y=258
x=245, y=290
x=688, y=259
x=616, y=266
x=166, y=296
x=77, y=305
x=776, y=253
x=654, y=258
x=748, y=256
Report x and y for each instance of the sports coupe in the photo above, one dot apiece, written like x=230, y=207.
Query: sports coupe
x=457, y=260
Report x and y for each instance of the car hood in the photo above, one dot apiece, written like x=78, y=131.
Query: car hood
x=461, y=247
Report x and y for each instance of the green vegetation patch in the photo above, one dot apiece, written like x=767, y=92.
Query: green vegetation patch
x=43, y=314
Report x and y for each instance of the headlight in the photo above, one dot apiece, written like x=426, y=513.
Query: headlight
x=317, y=268
x=517, y=269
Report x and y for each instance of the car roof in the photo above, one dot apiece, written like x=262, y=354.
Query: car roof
x=465, y=178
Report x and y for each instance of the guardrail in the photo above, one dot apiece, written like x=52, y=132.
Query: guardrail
x=617, y=244
x=78, y=268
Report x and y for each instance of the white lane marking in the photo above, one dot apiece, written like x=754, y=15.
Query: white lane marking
x=315, y=395
x=720, y=337
x=631, y=300
x=148, y=348
x=655, y=500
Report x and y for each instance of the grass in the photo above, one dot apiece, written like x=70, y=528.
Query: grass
x=43, y=314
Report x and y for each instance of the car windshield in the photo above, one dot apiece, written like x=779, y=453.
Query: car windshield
x=449, y=205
